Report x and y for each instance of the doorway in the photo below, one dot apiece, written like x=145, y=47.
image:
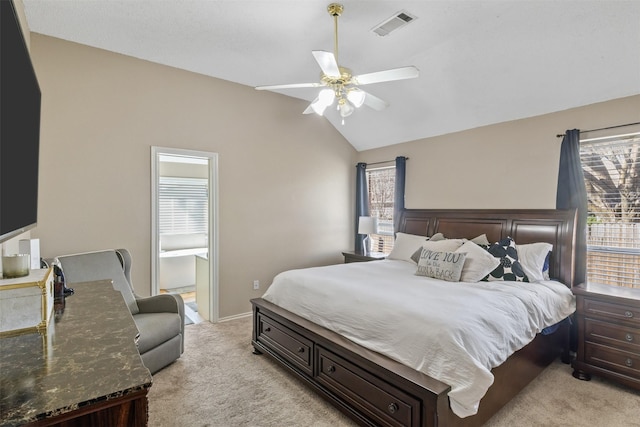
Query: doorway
x=184, y=236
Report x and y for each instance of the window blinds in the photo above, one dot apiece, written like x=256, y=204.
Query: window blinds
x=381, y=182
x=611, y=168
x=183, y=205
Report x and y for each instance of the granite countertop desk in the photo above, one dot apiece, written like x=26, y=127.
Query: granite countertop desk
x=87, y=359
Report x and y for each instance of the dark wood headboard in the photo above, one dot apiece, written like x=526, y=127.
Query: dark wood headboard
x=524, y=226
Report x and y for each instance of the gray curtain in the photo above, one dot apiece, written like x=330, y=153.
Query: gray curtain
x=398, y=195
x=362, y=203
x=572, y=194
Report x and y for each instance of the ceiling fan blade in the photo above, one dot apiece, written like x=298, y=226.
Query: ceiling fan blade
x=327, y=63
x=375, y=102
x=289, y=86
x=402, y=73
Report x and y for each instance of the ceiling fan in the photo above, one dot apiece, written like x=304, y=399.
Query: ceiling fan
x=340, y=84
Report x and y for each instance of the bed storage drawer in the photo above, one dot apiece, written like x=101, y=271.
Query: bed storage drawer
x=382, y=402
x=286, y=342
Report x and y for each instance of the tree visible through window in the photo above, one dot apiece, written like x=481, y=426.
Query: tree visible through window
x=611, y=169
x=381, y=184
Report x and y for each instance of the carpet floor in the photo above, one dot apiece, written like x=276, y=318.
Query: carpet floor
x=218, y=382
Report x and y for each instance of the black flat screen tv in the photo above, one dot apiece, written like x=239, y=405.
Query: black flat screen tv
x=19, y=128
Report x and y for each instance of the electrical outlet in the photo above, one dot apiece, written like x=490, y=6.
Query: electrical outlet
x=256, y=284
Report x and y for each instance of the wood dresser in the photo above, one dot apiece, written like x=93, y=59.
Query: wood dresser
x=84, y=370
x=608, y=333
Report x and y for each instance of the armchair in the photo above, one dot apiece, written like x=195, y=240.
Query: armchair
x=159, y=319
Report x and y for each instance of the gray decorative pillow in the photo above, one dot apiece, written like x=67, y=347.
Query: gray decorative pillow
x=441, y=265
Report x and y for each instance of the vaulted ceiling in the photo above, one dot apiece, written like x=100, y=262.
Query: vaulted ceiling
x=481, y=62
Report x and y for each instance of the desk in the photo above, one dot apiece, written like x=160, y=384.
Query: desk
x=85, y=369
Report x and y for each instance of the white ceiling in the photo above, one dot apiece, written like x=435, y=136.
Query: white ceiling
x=481, y=62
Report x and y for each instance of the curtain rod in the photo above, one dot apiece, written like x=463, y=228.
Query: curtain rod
x=384, y=161
x=560, y=135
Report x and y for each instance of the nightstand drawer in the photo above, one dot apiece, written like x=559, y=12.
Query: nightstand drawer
x=611, y=311
x=624, y=362
x=612, y=335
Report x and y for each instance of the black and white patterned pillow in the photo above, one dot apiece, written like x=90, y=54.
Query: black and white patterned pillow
x=509, y=268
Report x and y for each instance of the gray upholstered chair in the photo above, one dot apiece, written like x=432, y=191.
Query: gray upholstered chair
x=160, y=318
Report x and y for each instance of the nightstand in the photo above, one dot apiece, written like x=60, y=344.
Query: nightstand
x=608, y=333
x=357, y=257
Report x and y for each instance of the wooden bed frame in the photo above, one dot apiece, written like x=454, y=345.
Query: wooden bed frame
x=377, y=391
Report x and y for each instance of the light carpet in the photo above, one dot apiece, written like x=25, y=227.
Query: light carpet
x=218, y=382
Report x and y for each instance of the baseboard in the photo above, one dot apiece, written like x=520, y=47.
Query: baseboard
x=235, y=317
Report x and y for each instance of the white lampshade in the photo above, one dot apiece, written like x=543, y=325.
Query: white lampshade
x=324, y=99
x=367, y=225
x=345, y=108
x=356, y=97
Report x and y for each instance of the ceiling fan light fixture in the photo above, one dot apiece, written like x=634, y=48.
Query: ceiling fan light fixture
x=345, y=108
x=324, y=99
x=326, y=96
x=340, y=83
x=318, y=107
x=356, y=97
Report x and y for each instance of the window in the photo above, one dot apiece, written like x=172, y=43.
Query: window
x=381, y=184
x=183, y=205
x=611, y=167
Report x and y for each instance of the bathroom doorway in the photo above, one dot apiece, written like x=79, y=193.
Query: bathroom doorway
x=184, y=254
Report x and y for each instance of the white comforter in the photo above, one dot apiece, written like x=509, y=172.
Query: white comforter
x=452, y=331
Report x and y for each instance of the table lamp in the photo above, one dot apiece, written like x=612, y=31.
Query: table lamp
x=367, y=225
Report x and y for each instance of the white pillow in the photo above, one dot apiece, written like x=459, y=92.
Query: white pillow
x=478, y=264
x=405, y=245
x=441, y=265
x=532, y=257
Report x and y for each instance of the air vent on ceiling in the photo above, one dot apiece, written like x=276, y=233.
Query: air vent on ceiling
x=397, y=21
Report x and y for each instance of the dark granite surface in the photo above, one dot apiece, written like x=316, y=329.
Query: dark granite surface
x=87, y=354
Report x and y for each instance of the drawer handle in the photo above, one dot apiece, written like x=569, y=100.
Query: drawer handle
x=267, y=329
x=300, y=349
x=393, y=408
x=331, y=369
x=628, y=362
x=628, y=314
x=629, y=337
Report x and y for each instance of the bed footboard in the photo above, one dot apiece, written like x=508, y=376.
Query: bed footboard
x=375, y=390
x=368, y=387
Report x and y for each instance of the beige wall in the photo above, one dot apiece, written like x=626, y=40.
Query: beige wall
x=285, y=180
x=507, y=165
